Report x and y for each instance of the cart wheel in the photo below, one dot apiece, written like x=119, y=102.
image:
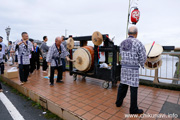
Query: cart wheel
x=75, y=77
x=105, y=85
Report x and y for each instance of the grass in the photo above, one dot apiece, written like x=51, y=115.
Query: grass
x=48, y=115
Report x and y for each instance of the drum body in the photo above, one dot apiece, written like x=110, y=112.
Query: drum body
x=154, y=60
x=84, y=58
x=153, y=63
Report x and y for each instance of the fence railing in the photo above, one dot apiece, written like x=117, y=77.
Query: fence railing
x=170, y=69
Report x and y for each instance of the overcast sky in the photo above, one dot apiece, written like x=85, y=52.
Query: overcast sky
x=159, y=20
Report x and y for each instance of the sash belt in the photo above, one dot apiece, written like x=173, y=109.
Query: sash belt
x=56, y=59
x=130, y=66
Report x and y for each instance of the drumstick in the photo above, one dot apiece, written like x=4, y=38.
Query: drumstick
x=151, y=48
x=72, y=60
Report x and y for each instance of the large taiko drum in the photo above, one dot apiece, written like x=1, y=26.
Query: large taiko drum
x=154, y=60
x=84, y=58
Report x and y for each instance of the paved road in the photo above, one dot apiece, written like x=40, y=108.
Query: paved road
x=20, y=105
x=4, y=114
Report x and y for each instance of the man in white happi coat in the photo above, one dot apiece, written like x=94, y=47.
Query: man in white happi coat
x=55, y=53
x=133, y=55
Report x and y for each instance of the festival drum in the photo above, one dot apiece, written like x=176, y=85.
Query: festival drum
x=154, y=60
x=70, y=43
x=97, y=38
x=84, y=58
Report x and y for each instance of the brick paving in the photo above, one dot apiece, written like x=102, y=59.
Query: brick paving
x=87, y=98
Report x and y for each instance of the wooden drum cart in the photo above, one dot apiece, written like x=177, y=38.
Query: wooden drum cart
x=111, y=74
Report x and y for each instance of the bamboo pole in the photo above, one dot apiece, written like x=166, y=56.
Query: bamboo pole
x=128, y=19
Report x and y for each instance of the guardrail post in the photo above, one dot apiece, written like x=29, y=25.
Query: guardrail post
x=156, y=79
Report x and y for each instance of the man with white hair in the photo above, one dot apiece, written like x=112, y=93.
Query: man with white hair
x=133, y=55
x=56, y=51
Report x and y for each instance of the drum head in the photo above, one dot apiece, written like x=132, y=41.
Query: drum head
x=82, y=59
x=97, y=38
x=70, y=43
x=156, y=50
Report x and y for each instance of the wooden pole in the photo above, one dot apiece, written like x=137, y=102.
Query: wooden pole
x=156, y=79
x=128, y=19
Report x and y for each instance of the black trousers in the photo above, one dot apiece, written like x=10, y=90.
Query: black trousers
x=59, y=76
x=32, y=65
x=63, y=64
x=23, y=72
x=2, y=68
x=16, y=58
x=122, y=91
x=44, y=65
x=37, y=64
x=0, y=86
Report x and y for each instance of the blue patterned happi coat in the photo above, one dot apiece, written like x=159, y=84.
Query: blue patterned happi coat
x=24, y=52
x=53, y=52
x=133, y=55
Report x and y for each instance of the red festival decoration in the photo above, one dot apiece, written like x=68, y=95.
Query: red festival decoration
x=135, y=14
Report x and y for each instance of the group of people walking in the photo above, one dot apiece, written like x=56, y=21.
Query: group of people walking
x=52, y=57
x=28, y=53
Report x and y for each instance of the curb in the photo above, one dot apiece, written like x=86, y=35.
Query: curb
x=175, y=87
x=44, y=102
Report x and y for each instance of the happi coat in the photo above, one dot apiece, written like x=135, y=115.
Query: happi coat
x=133, y=56
x=54, y=56
x=2, y=57
x=24, y=52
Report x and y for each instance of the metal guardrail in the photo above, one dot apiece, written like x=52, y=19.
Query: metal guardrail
x=170, y=69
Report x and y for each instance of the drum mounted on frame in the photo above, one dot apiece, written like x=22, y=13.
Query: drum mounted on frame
x=154, y=60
